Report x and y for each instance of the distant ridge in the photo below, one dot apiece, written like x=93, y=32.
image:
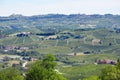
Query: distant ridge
x=18, y=22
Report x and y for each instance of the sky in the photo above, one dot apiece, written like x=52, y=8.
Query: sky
x=38, y=7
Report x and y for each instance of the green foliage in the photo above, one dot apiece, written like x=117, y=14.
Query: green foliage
x=49, y=62
x=111, y=73
x=108, y=73
x=59, y=24
x=93, y=78
x=44, y=70
x=10, y=74
x=81, y=72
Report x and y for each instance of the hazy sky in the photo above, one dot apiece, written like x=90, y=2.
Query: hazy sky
x=36, y=7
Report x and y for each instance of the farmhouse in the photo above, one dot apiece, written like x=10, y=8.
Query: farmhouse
x=80, y=53
x=11, y=47
x=106, y=61
x=34, y=59
x=24, y=48
x=14, y=63
x=76, y=54
x=96, y=41
x=51, y=38
x=23, y=34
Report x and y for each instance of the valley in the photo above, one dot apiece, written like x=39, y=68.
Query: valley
x=82, y=44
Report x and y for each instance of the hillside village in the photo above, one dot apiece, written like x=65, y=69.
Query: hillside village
x=78, y=42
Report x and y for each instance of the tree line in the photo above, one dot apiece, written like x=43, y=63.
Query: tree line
x=45, y=70
x=40, y=70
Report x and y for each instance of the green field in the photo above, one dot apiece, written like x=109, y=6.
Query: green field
x=110, y=42
x=73, y=67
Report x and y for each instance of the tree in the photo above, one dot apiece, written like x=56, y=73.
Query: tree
x=10, y=74
x=93, y=78
x=111, y=73
x=44, y=70
x=108, y=73
x=49, y=62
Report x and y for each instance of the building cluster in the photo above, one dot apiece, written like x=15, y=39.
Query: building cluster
x=23, y=34
x=12, y=47
x=13, y=61
x=107, y=61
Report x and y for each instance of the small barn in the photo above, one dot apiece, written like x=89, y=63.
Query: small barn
x=96, y=41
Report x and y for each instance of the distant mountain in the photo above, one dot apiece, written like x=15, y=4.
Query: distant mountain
x=58, y=22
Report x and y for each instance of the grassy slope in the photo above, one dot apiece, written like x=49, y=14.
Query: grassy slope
x=70, y=45
x=80, y=72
